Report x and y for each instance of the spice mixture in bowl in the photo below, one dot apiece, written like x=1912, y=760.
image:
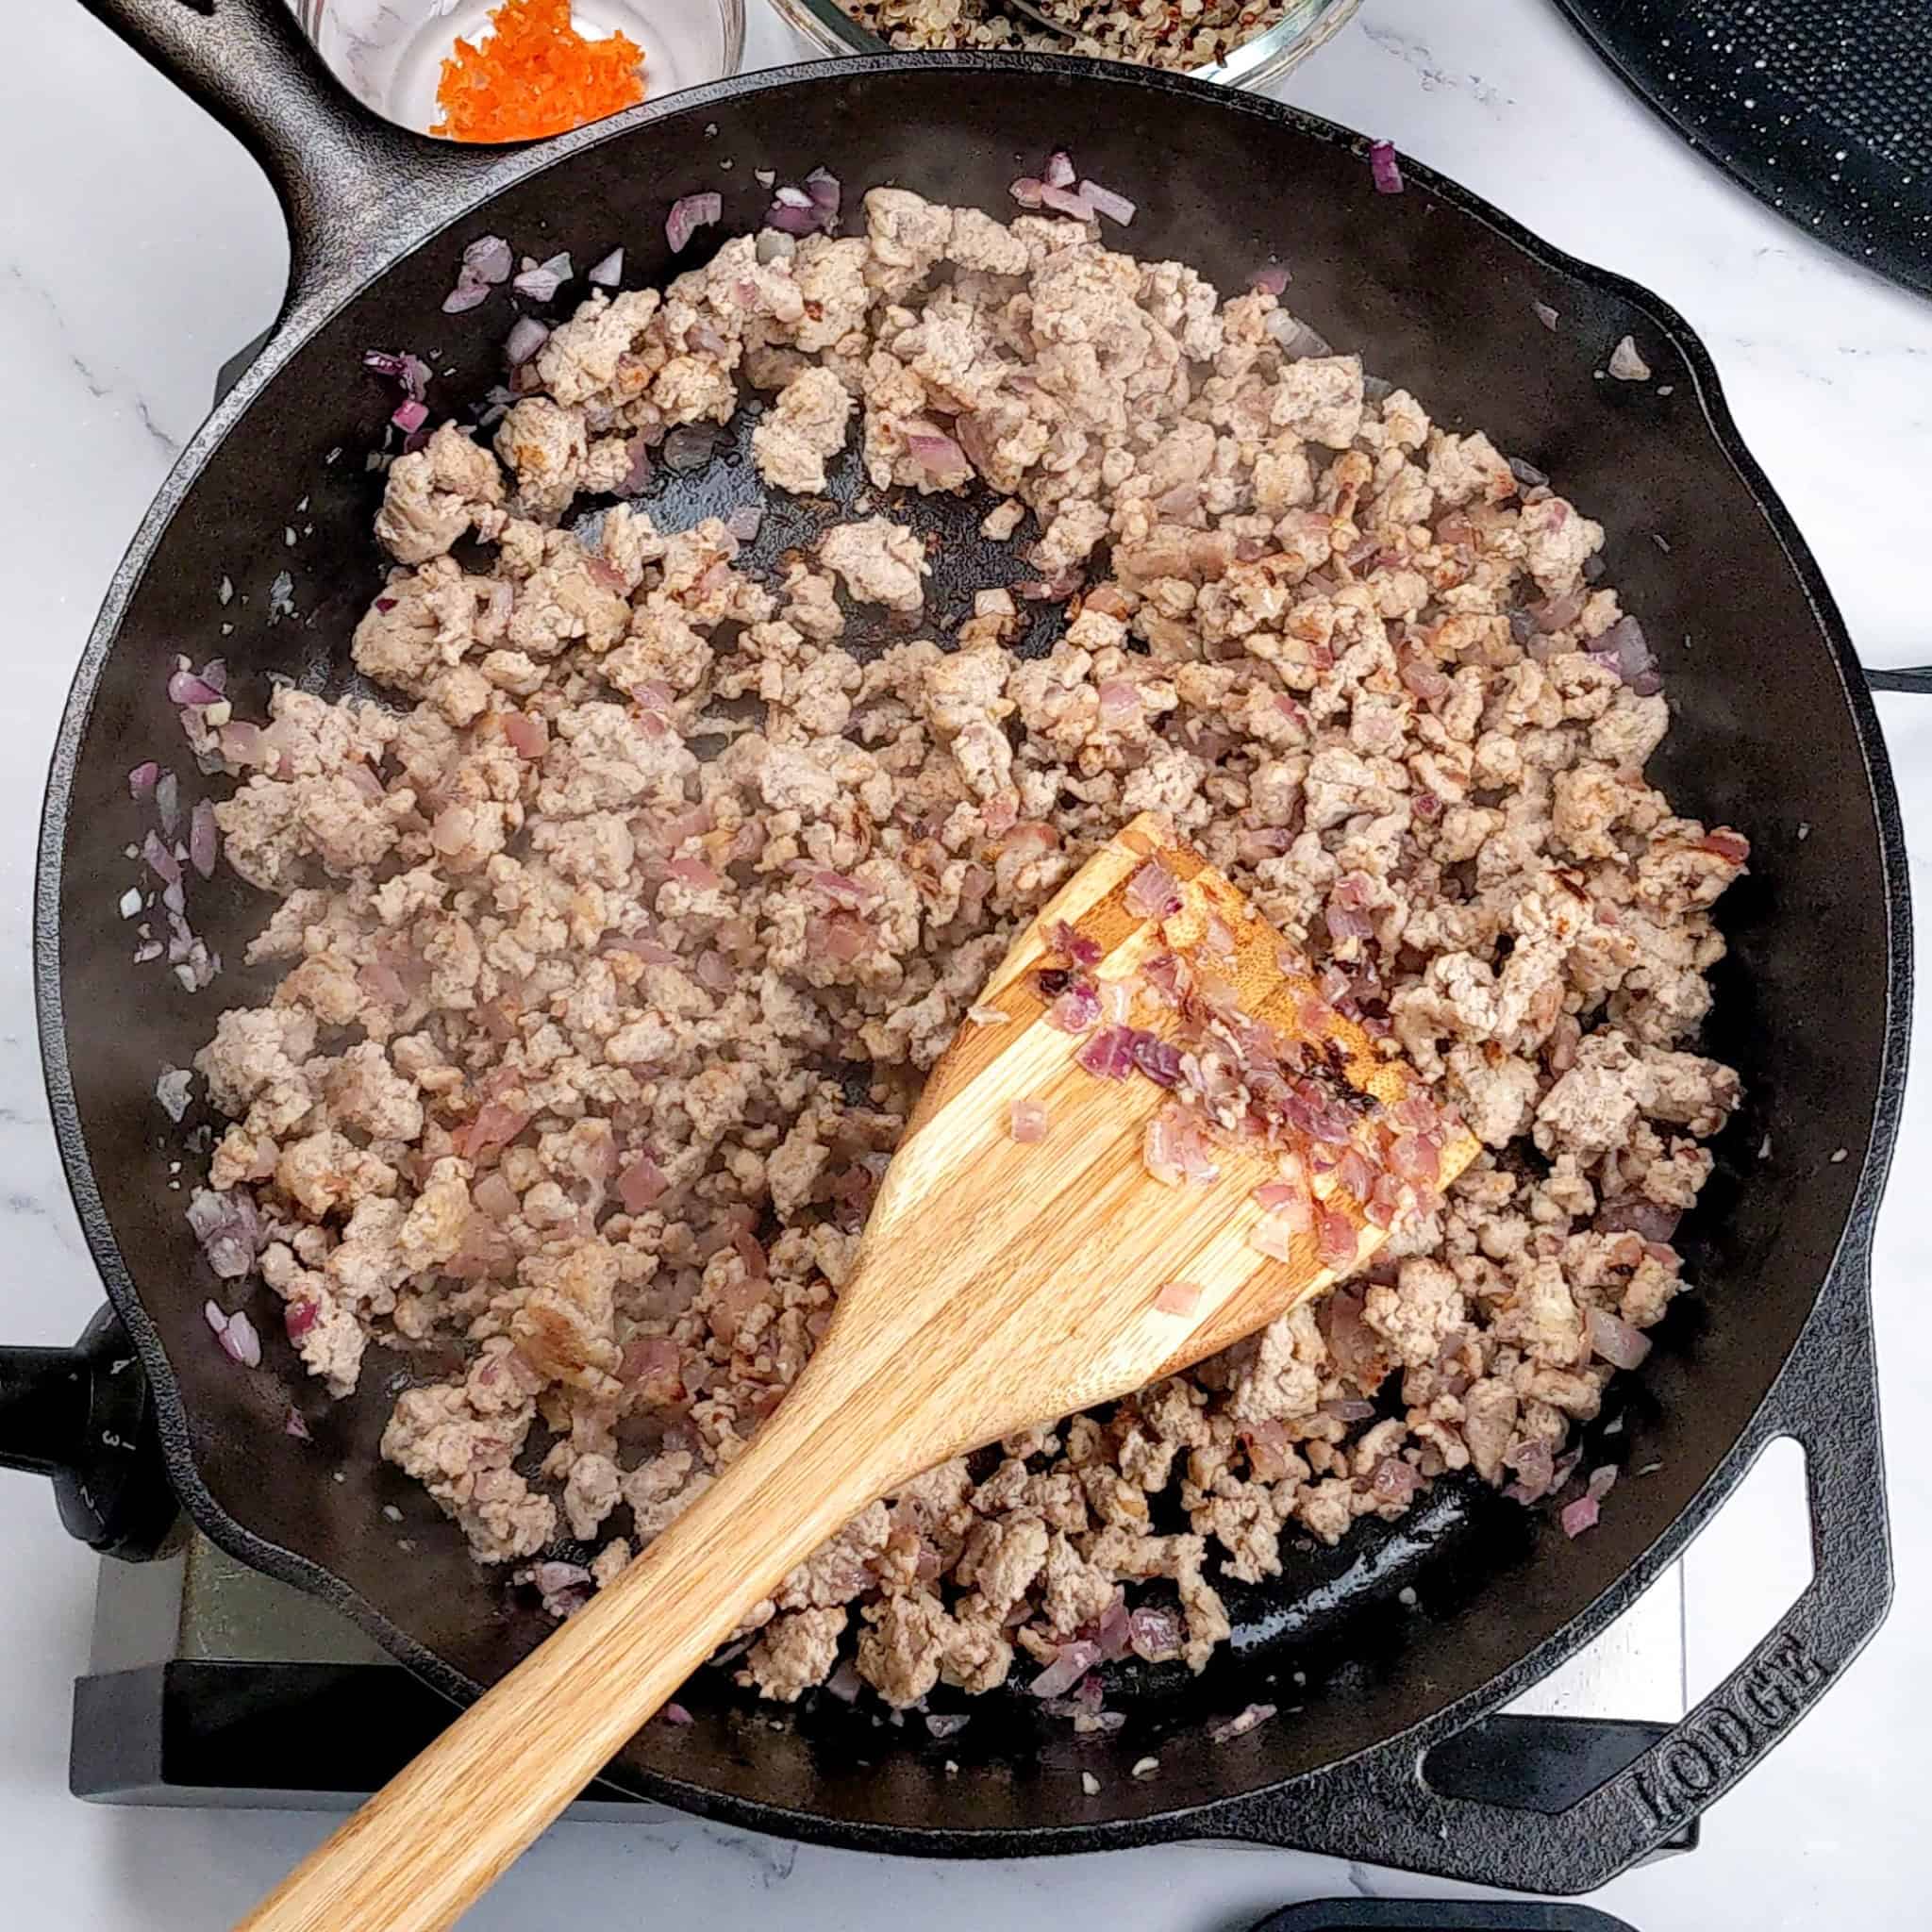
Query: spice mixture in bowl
x=617, y=928
x=1246, y=42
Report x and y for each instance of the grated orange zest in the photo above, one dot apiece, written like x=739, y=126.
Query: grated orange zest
x=535, y=75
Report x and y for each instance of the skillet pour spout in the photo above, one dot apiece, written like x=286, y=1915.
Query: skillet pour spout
x=1441, y=291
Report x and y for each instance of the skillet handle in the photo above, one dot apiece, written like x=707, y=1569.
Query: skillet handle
x=356, y=191
x=84, y=1417
x=1380, y=1809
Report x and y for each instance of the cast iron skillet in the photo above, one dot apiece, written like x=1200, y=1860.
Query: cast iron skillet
x=1775, y=733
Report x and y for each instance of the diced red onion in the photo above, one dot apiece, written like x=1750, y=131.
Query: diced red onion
x=609, y=272
x=1154, y=1633
x=495, y=1126
x=694, y=872
x=1109, y=1054
x=1074, y=1010
x=1256, y=1714
x=529, y=736
x=471, y=291
x=1273, y=280
x=1289, y=1204
x=1071, y=943
x=745, y=522
x=845, y=889
x=1071, y=1663
x=938, y=455
x=1580, y=1515
x=1174, y=1148
x=1274, y=1235
x=1027, y=191
x=1178, y=1298
x=1059, y=170
x=1064, y=200
x=1615, y=1339
x=1534, y=1463
x=494, y=1197
x=1112, y=1632
x=675, y=1714
x=1116, y=207
x=1384, y=168
x=1384, y=1202
x=140, y=781
x=1635, y=1214
x=1602, y=1481
x=161, y=861
x=1154, y=892
x=1623, y=649
x=689, y=446
x=184, y=688
x=299, y=1317
x=1394, y=1480
x=689, y=214
x=948, y=1723
x=1028, y=1121
x=1349, y=1409
x=790, y=219
x=641, y=1184
x=825, y=191
x=1414, y=1158
x=410, y=415
x=489, y=258
x=202, y=839
x=541, y=284
x=1159, y=1060
x=168, y=802
x=528, y=335
x=235, y=1333
x=1356, y=1351
x=293, y=1425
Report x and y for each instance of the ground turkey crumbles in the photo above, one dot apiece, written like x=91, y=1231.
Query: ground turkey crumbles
x=590, y=1051
x=1152, y=33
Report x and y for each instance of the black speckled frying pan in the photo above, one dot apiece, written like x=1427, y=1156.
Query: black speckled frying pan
x=1822, y=108
x=1775, y=733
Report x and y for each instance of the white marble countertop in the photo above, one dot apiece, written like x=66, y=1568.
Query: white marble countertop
x=138, y=248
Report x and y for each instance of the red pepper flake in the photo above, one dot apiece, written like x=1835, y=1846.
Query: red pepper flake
x=535, y=75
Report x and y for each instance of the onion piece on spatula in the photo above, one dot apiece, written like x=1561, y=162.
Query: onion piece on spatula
x=1001, y=1281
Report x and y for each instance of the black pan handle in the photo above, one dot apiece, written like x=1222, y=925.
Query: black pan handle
x=83, y=1415
x=356, y=191
x=1918, y=681
x=1380, y=1809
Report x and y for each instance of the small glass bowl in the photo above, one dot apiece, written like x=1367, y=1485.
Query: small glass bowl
x=1302, y=29
x=389, y=53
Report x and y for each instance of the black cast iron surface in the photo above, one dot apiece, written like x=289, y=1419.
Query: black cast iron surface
x=1775, y=733
x=1822, y=108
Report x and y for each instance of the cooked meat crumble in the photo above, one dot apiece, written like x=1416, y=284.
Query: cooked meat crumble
x=1152, y=33
x=589, y=1053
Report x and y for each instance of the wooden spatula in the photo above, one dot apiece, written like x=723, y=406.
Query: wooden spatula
x=1000, y=1282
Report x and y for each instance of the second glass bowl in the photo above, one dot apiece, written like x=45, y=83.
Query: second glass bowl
x=1302, y=26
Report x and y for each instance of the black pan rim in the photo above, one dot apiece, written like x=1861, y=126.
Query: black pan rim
x=1153, y=1826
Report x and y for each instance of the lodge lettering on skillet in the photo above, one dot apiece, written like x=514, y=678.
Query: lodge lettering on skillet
x=1720, y=1742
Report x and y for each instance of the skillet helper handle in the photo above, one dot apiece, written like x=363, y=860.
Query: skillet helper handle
x=1917, y=681
x=441, y=1832
x=1381, y=1808
x=356, y=189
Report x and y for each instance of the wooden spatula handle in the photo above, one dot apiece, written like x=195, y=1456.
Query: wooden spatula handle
x=434, y=1839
